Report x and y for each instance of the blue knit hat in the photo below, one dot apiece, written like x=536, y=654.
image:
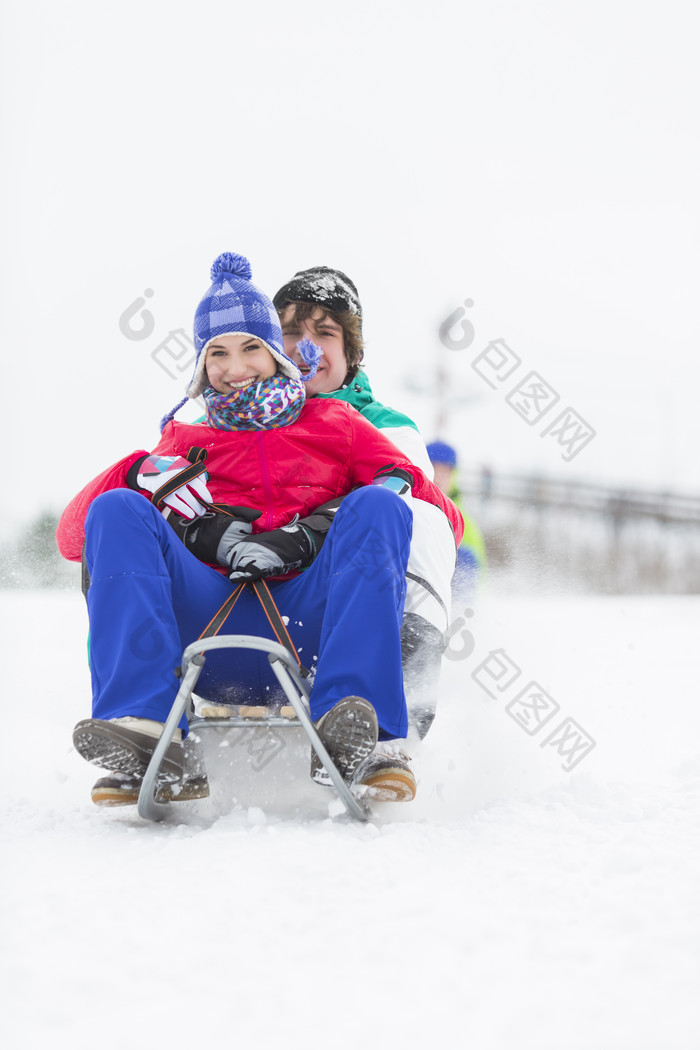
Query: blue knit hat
x=234, y=306
x=441, y=452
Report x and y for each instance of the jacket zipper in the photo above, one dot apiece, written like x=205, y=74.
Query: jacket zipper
x=266, y=482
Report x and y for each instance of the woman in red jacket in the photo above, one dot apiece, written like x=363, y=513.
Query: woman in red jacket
x=279, y=464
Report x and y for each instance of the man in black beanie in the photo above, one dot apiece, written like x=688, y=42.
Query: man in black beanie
x=323, y=305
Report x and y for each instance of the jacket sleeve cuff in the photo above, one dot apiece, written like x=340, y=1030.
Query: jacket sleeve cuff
x=133, y=472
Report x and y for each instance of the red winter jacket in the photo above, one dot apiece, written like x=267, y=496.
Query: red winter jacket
x=285, y=471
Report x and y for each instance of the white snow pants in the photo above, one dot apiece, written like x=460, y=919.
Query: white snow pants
x=431, y=565
x=427, y=612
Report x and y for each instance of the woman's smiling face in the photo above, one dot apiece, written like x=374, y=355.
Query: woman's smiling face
x=234, y=362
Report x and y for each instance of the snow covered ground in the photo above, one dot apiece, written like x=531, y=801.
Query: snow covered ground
x=513, y=904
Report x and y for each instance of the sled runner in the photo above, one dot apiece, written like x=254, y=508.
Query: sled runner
x=289, y=673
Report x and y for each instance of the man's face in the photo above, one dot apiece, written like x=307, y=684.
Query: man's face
x=324, y=332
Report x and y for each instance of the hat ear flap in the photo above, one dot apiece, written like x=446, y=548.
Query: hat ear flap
x=166, y=419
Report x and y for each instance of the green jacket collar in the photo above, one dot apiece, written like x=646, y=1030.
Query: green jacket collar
x=358, y=392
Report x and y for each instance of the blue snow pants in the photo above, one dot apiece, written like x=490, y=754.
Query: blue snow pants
x=149, y=597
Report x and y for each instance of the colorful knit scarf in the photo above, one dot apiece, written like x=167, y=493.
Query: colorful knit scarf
x=273, y=402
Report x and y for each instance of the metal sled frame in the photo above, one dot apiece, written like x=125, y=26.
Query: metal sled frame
x=295, y=689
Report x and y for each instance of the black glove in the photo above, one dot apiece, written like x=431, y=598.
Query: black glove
x=271, y=553
x=205, y=534
x=279, y=551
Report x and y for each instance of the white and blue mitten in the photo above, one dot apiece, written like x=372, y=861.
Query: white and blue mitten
x=173, y=482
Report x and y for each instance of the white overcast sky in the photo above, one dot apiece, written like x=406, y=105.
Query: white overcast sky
x=538, y=158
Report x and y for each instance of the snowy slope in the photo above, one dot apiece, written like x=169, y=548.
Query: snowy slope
x=512, y=904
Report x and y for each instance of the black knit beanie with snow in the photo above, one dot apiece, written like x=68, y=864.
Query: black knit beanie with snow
x=331, y=289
